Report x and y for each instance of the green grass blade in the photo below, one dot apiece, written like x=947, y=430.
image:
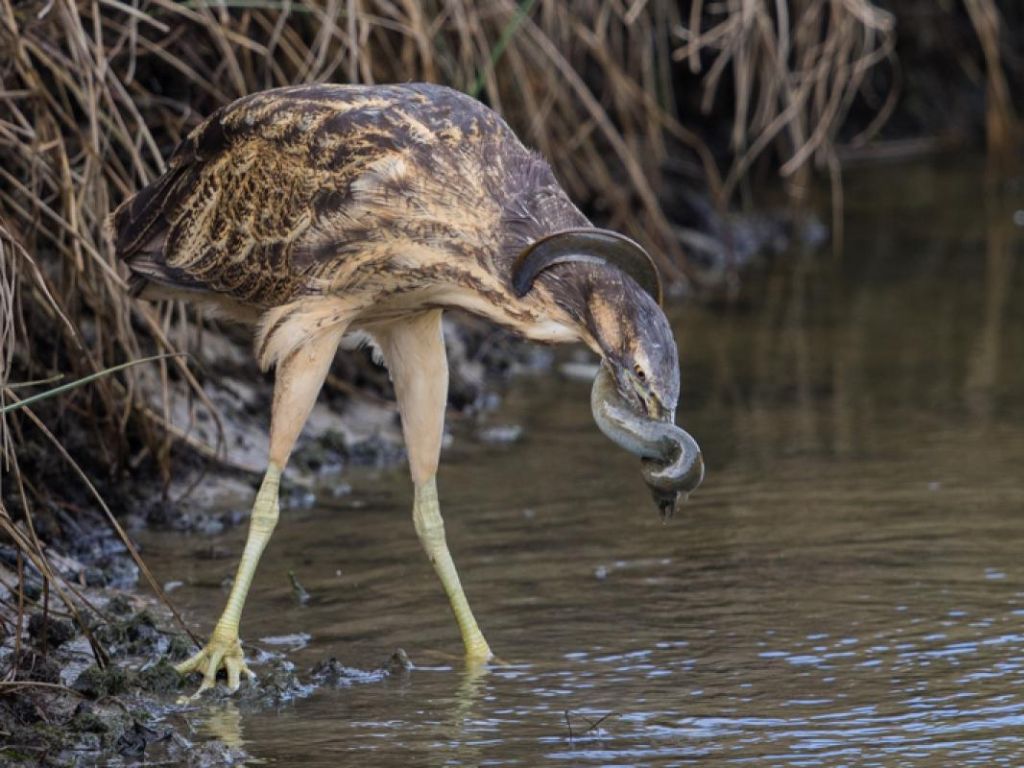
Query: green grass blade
x=261, y=5
x=499, y=49
x=36, y=382
x=84, y=380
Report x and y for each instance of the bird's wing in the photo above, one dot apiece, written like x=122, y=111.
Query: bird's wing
x=239, y=193
x=268, y=188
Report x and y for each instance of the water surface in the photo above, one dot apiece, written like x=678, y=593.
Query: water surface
x=847, y=588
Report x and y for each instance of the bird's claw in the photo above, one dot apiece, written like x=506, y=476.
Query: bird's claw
x=218, y=653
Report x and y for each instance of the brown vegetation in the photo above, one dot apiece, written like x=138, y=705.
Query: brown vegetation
x=94, y=95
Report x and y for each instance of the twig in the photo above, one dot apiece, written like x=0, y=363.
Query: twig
x=591, y=724
x=598, y=722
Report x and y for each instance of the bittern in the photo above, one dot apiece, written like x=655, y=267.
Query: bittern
x=319, y=211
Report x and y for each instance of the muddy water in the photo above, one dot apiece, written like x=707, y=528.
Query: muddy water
x=846, y=589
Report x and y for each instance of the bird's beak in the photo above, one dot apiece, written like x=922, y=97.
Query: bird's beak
x=673, y=466
x=655, y=409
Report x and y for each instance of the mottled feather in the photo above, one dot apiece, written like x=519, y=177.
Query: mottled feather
x=328, y=190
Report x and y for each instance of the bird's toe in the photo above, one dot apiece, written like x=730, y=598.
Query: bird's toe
x=191, y=664
x=237, y=668
x=214, y=656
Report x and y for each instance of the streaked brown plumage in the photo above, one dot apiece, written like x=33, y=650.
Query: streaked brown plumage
x=316, y=211
x=314, y=192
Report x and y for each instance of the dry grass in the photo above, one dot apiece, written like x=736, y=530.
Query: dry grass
x=796, y=68
x=95, y=93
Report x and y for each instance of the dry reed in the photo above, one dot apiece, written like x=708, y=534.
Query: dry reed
x=797, y=68
x=95, y=93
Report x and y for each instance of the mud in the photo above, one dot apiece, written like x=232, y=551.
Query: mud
x=65, y=708
x=107, y=693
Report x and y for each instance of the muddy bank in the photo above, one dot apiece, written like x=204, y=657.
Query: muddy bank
x=99, y=687
x=64, y=708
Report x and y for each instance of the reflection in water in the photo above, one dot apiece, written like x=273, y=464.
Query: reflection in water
x=223, y=721
x=984, y=360
x=460, y=722
x=846, y=588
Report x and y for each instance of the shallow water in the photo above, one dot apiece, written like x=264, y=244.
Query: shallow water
x=847, y=588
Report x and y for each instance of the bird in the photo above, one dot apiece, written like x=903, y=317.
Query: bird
x=323, y=212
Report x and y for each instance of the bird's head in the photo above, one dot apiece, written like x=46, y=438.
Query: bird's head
x=636, y=345
x=636, y=391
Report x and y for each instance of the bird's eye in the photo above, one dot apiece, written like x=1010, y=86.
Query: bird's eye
x=640, y=372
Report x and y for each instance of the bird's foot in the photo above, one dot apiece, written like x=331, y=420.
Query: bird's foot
x=477, y=650
x=223, y=651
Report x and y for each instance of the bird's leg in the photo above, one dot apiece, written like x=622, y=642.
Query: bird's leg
x=298, y=381
x=224, y=648
x=415, y=355
x=426, y=516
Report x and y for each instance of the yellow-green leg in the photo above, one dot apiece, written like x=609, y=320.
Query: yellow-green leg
x=426, y=516
x=414, y=351
x=224, y=648
x=296, y=387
